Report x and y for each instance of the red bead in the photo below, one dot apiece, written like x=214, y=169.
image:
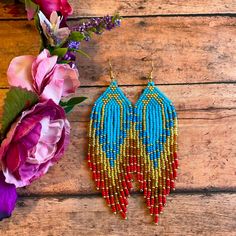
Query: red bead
x=94, y=175
x=112, y=199
x=175, y=173
x=152, y=201
x=113, y=208
x=176, y=163
x=168, y=182
x=123, y=215
x=156, y=219
x=172, y=184
x=164, y=199
x=175, y=155
x=127, y=192
x=118, y=207
x=160, y=208
x=164, y=191
x=151, y=210
x=155, y=210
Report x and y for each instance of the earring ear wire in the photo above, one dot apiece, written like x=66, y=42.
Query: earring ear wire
x=111, y=71
x=151, y=73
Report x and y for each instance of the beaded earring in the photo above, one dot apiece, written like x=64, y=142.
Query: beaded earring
x=155, y=122
x=140, y=139
x=110, y=146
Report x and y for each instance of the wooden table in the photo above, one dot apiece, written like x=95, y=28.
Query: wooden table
x=193, y=45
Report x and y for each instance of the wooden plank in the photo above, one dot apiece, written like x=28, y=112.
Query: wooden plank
x=207, y=118
x=184, y=215
x=185, y=97
x=206, y=159
x=184, y=50
x=9, y=9
x=155, y=7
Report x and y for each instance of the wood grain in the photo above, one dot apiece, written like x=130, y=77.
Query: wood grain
x=154, y=7
x=9, y=9
x=185, y=97
x=207, y=119
x=204, y=163
x=184, y=50
x=184, y=215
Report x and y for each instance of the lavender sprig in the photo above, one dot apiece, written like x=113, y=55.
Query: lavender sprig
x=97, y=25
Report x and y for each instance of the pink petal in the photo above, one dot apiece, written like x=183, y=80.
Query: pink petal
x=53, y=90
x=70, y=78
x=54, y=18
x=19, y=72
x=44, y=68
x=63, y=33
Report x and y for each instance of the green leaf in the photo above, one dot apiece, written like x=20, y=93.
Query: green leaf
x=71, y=103
x=17, y=100
x=83, y=53
x=76, y=36
x=60, y=52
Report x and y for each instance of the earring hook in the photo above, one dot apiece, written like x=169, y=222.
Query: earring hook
x=111, y=71
x=151, y=73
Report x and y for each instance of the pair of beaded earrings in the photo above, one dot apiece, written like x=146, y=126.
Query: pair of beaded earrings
x=126, y=139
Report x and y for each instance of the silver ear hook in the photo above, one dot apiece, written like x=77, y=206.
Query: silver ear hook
x=111, y=71
x=151, y=73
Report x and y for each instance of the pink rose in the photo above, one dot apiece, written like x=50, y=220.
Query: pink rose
x=48, y=6
x=35, y=142
x=43, y=75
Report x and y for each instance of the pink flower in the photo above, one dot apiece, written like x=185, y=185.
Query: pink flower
x=42, y=75
x=48, y=6
x=35, y=142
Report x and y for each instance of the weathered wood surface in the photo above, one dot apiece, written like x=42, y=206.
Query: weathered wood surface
x=154, y=7
x=8, y=9
x=204, y=162
x=185, y=97
x=193, y=54
x=184, y=215
x=184, y=50
x=207, y=117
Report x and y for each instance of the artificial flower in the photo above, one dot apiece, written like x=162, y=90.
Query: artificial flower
x=35, y=142
x=8, y=197
x=48, y=6
x=97, y=25
x=43, y=75
x=51, y=29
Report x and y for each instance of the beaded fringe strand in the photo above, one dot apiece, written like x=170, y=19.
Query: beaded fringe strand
x=124, y=140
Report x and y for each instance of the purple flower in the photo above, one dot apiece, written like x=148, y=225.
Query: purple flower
x=36, y=141
x=97, y=25
x=8, y=197
x=73, y=45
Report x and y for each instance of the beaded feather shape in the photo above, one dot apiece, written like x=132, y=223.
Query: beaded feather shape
x=108, y=155
x=126, y=140
x=155, y=130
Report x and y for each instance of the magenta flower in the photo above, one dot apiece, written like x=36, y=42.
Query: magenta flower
x=43, y=75
x=35, y=142
x=8, y=197
x=48, y=6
